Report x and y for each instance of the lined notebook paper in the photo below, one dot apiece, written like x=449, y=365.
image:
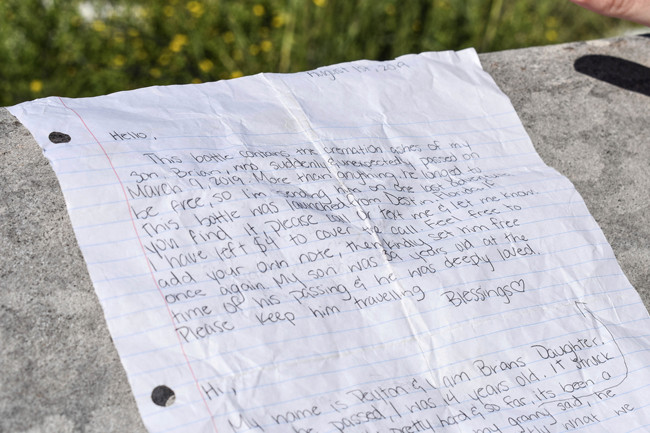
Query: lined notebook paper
x=367, y=247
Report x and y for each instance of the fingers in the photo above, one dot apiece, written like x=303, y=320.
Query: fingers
x=632, y=10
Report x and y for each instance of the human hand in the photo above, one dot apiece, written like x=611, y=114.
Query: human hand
x=632, y=10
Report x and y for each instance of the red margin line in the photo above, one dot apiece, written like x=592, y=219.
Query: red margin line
x=171, y=317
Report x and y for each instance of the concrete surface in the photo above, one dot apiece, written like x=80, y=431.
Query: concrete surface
x=585, y=105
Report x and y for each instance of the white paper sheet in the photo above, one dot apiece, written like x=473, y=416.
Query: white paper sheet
x=367, y=247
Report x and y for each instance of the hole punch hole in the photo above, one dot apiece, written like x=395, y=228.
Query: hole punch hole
x=163, y=396
x=59, y=137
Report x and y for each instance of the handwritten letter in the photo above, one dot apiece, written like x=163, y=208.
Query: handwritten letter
x=367, y=247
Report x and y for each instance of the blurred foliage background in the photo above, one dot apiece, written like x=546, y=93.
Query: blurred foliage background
x=85, y=48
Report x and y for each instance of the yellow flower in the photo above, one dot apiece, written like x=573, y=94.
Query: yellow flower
x=99, y=26
x=118, y=39
x=168, y=11
x=266, y=46
x=36, y=86
x=119, y=61
x=155, y=72
x=551, y=35
x=178, y=43
x=228, y=37
x=195, y=8
x=165, y=58
x=196, y=81
x=254, y=49
x=236, y=74
x=258, y=10
x=278, y=21
x=206, y=65
x=320, y=3
x=141, y=12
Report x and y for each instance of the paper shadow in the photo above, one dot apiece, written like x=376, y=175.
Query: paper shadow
x=614, y=70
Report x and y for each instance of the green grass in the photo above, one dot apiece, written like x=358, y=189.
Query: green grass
x=48, y=47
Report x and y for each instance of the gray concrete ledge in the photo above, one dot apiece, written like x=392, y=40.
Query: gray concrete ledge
x=585, y=105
